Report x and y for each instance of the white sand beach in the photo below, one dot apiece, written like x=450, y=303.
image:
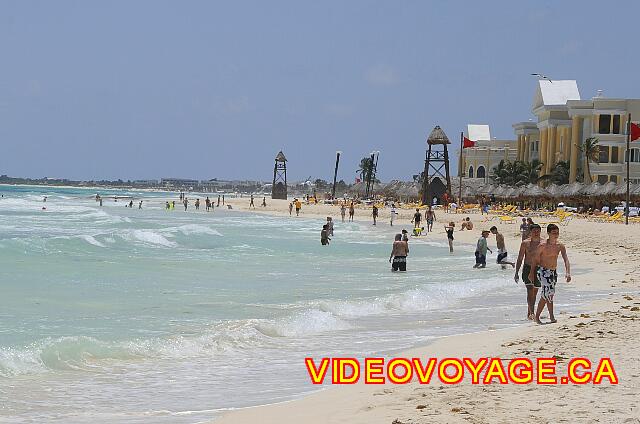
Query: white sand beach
x=604, y=258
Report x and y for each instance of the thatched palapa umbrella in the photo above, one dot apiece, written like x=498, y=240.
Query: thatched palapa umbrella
x=554, y=190
x=592, y=190
x=534, y=192
x=572, y=190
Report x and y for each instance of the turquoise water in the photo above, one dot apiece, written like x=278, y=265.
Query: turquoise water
x=111, y=314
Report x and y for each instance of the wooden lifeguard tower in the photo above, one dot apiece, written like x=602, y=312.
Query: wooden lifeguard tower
x=279, y=187
x=434, y=182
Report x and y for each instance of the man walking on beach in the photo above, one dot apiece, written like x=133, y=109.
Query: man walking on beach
x=527, y=250
x=374, y=213
x=502, y=249
x=431, y=216
x=298, y=206
x=393, y=214
x=352, y=211
x=417, y=217
x=481, y=250
x=343, y=211
x=251, y=205
x=546, y=258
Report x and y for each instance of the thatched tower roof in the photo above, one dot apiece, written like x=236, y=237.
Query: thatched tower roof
x=280, y=157
x=438, y=136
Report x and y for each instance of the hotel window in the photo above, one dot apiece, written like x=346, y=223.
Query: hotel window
x=604, y=124
x=604, y=154
x=480, y=173
x=471, y=172
x=613, y=178
x=602, y=179
x=635, y=155
x=614, y=154
x=616, y=124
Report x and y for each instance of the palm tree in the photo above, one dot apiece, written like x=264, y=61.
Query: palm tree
x=530, y=172
x=516, y=173
x=559, y=175
x=365, y=168
x=591, y=151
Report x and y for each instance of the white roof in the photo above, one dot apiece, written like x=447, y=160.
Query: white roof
x=555, y=92
x=478, y=132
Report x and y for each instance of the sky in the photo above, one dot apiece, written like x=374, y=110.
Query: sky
x=213, y=89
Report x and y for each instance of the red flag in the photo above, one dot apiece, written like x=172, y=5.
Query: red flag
x=635, y=131
x=468, y=143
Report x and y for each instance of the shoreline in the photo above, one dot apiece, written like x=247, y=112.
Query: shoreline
x=414, y=403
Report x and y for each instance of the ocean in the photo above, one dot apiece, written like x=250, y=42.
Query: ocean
x=111, y=314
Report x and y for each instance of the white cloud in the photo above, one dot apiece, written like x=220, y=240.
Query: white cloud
x=381, y=75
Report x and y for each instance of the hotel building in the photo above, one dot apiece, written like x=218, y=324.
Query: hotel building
x=478, y=161
x=564, y=121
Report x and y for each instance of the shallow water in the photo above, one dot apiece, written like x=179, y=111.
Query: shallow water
x=123, y=315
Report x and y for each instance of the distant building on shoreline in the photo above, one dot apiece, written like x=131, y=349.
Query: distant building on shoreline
x=479, y=160
x=565, y=121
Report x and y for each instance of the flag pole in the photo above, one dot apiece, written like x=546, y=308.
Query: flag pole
x=461, y=168
x=628, y=209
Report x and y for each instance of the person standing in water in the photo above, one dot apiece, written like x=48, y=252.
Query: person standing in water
x=197, y=204
x=352, y=212
x=324, y=236
x=417, y=217
x=481, y=250
x=343, y=211
x=140, y=205
x=374, y=213
x=545, y=260
x=399, y=253
x=502, y=249
x=449, y=229
x=330, y=226
x=218, y=200
x=290, y=208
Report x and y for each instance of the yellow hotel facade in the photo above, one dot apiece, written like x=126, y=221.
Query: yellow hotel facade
x=564, y=121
